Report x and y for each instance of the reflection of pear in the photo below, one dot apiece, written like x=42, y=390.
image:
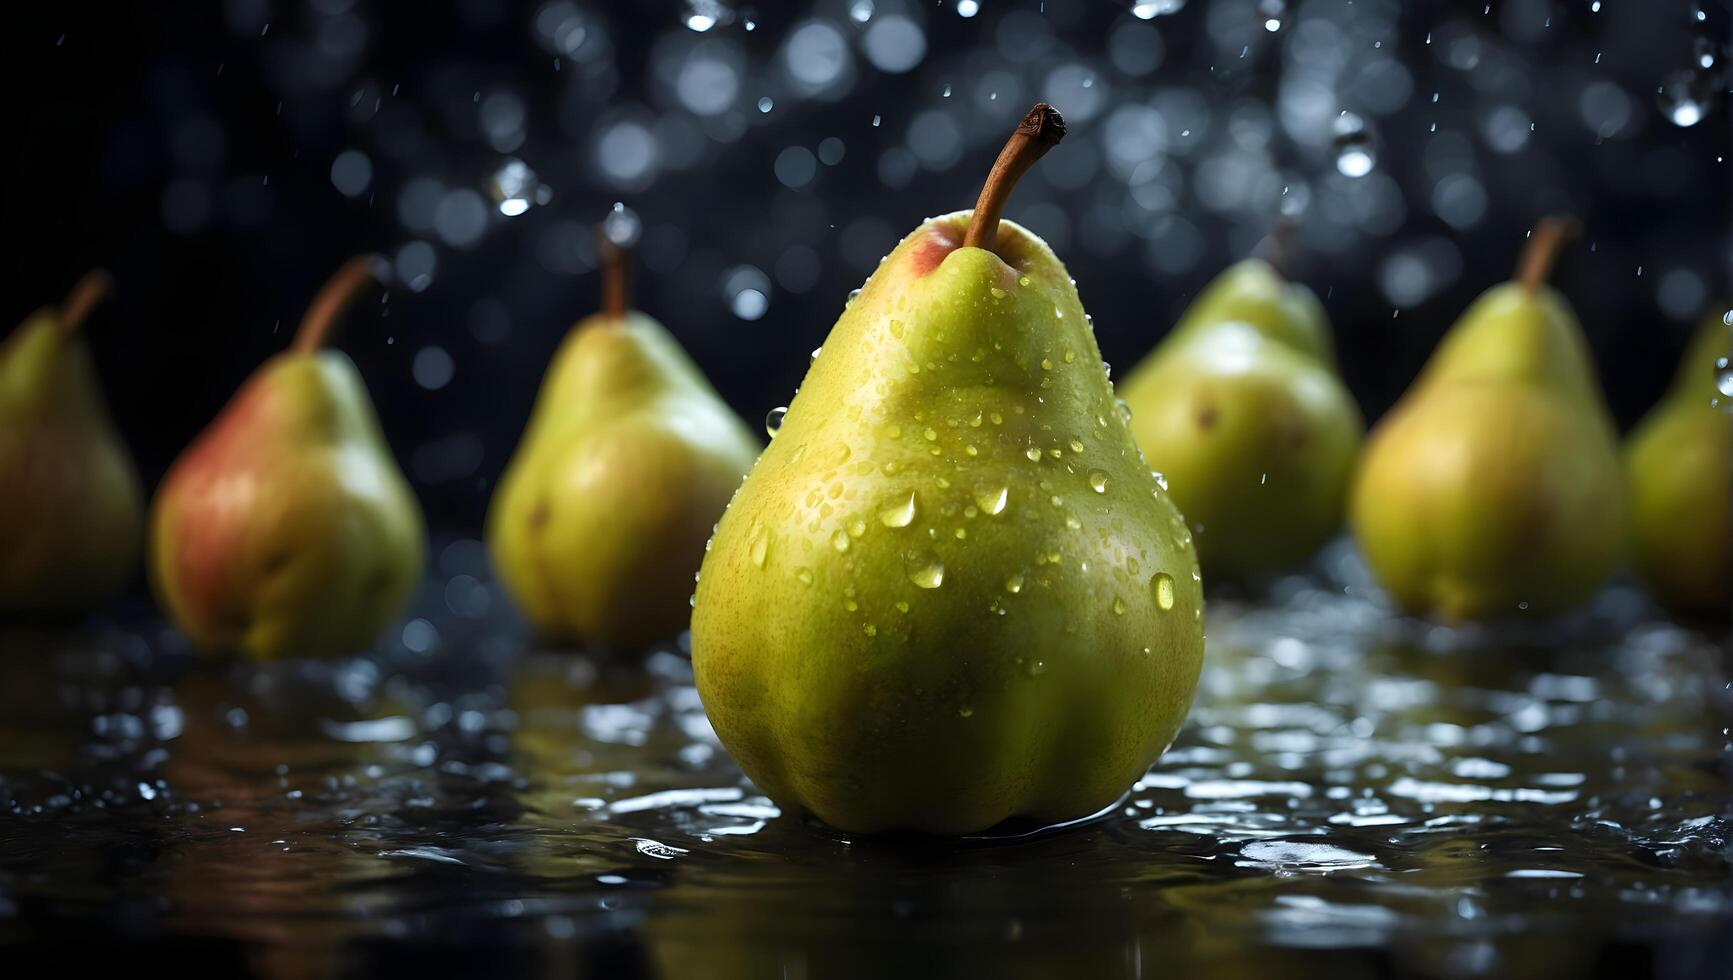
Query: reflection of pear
x=599, y=522
x=1493, y=486
x=286, y=528
x=950, y=592
x=1241, y=410
x=71, y=512
x=1678, y=463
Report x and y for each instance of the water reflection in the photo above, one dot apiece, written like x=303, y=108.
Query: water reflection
x=1354, y=794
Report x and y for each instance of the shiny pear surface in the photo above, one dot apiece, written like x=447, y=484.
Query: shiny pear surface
x=1679, y=468
x=1493, y=488
x=599, y=522
x=950, y=593
x=286, y=528
x=71, y=510
x=1241, y=411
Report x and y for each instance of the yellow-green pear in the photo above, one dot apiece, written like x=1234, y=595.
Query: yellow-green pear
x=1493, y=488
x=1242, y=412
x=950, y=593
x=286, y=528
x=1679, y=464
x=71, y=511
x=599, y=523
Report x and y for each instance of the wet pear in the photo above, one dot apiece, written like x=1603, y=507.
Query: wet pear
x=599, y=523
x=1678, y=462
x=1242, y=411
x=286, y=528
x=950, y=593
x=71, y=511
x=1493, y=488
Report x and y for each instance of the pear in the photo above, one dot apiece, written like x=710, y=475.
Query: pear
x=71, y=511
x=286, y=528
x=599, y=523
x=1493, y=488
x=950, y=593
x=1242, y=411
x=1677, y=461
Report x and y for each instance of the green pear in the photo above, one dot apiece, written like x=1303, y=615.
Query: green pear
x=1677, y=461
x=1493, y=488
x=1242, y=411
x=71, y=511
x=599, y=523
x=286, y=528
x=950, y=593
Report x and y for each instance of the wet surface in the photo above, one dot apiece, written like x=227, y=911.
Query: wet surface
x=1354, y=794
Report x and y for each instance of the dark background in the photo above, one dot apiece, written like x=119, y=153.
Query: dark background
x=190, y=148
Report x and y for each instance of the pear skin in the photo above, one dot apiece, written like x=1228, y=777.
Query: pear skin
x=599, y=523
x=950, y=593
x=286, y=529
x=71, y=510
x=1678, y=462
x=1241, y=410
x=1493, y=488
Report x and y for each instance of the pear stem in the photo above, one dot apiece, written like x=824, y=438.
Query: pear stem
x=1040, y=131
x=334, y=297
x=85, y=295
x=616, y=264
x=1279, y=244
x=1536, y=261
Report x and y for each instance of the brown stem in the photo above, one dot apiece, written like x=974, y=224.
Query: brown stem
x=1040, y=131
x=616, y=265
x=1536, y=261
x=1279, y=244
x=334, y=297
x=86, y=294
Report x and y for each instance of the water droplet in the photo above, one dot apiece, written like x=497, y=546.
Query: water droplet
x=1356, y=153
x=1023, y=281
x=966, y=711
x=1046, y=364
x=1685, y=97
x=773, y=420
x=804, y=574
x=1098, y=481
x=857, y=529
x=992, y=501
x=1036, y=668
x=998, y=293
x=1123, y=409
x=1014, y=584
x=1160, y=479
x=927, y=572
x=758, y=544
x=839, y=540
x=930, y=435
x=1033, y=453
x=1724, y=377
x=1162, y=586
x=1118, y=606
x=900, y=514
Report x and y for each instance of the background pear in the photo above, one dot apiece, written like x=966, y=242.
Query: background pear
x=950, y=592
x=1493, y=487
x=71, y=511
x=1679, y=464
x=599, y=523
x=286, y=528
x=1242, y=411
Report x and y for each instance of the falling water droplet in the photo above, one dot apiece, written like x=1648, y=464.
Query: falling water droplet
x=927, y=572
x=900, y=514
x=1162, y=586
x=1355, y=152
x=622, y=226
x=1685, y=97
x=773, y=420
